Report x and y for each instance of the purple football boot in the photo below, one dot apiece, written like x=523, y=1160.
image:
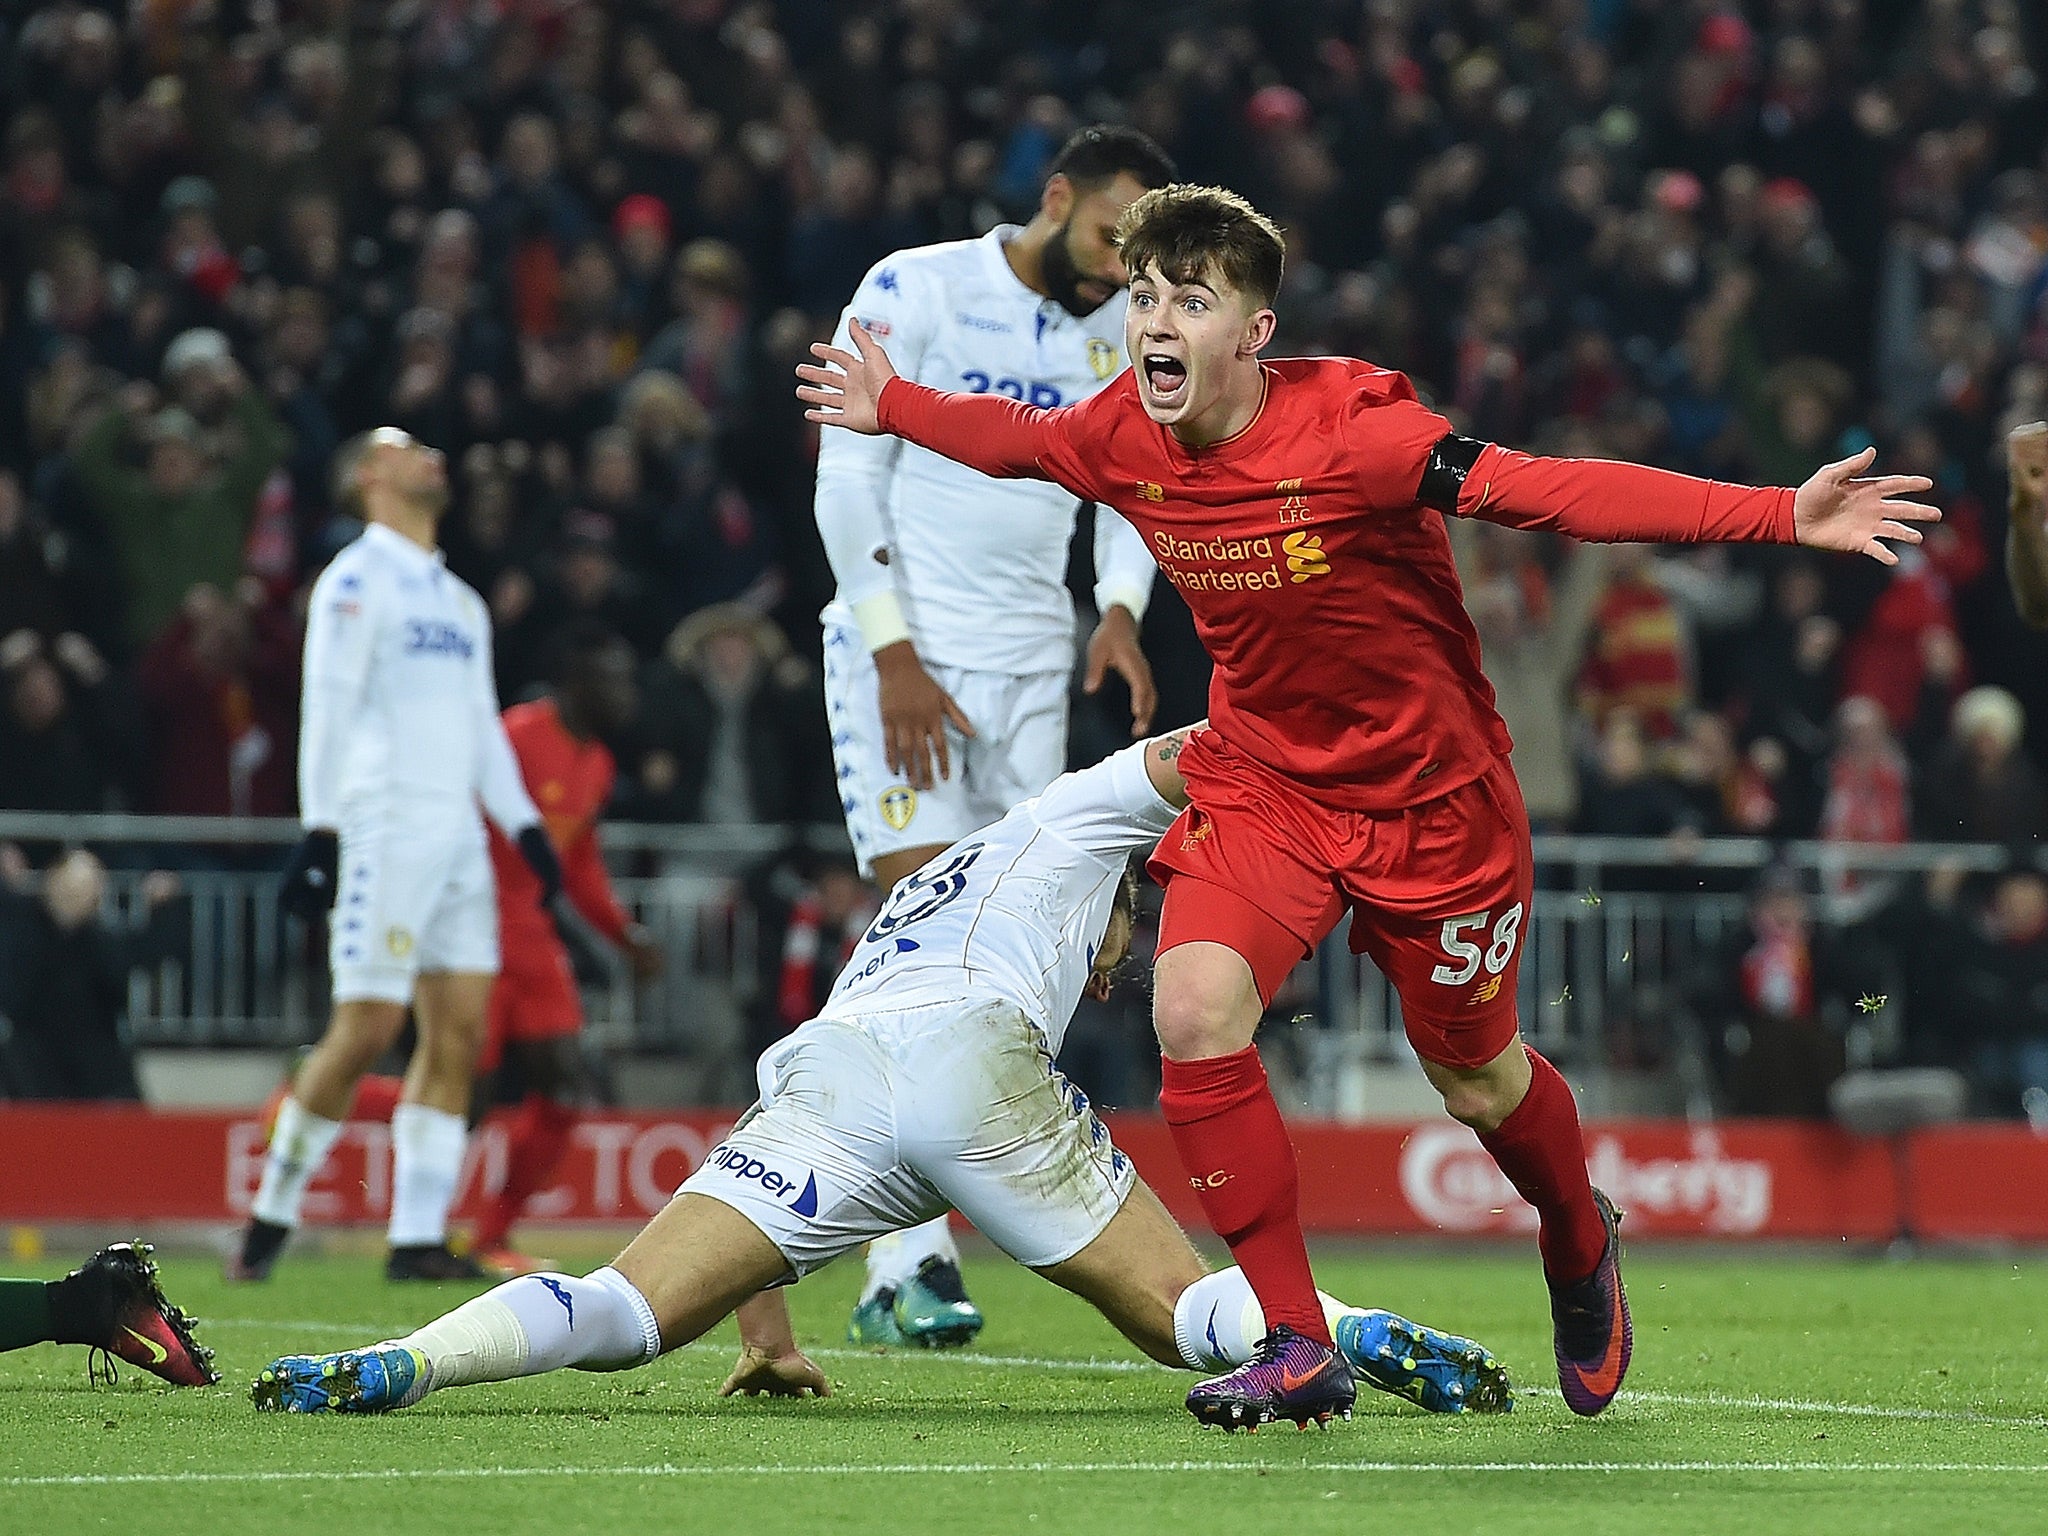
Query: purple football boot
x=1594, y=1336
x=1290, y=1376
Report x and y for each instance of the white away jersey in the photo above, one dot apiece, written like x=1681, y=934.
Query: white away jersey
x=1014, y=912
x=399, y=705
x=978, y=565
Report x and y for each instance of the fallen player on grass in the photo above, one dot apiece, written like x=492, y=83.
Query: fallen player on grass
x=925, y=1084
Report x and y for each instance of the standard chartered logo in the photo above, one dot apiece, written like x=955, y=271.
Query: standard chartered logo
x=1240, y=565
x=1305, y=557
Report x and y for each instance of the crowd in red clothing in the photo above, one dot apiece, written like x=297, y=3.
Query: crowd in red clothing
x=578, y=245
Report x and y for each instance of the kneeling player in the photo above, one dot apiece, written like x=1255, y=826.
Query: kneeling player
x=926, y=1083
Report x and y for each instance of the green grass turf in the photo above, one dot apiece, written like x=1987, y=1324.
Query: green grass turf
x=1749, y=1369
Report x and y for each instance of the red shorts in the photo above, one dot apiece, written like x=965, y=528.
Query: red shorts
x=1438, y=892
x=534, y=998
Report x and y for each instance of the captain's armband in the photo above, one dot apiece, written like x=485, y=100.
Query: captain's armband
x=1444, y=471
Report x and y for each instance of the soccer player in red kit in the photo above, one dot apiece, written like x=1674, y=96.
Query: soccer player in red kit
x=1354, y=761
x=536, y=1013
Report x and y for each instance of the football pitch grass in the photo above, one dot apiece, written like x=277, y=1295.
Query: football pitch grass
x=1771, y=1392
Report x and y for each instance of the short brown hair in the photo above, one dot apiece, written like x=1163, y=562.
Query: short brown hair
x=1190, y=234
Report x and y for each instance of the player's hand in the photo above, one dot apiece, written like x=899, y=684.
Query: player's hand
x=915, y=714
x=542, y=859
x=2026, y=465
x=307, y=887
x=1114, y=647
x=788, y=1373
x=588, y=961
x=844, y=389
x=1838, y=509
x=646, y=958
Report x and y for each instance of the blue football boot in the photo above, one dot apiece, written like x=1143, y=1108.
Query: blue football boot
x=373, y=1380
x=1438, y=1371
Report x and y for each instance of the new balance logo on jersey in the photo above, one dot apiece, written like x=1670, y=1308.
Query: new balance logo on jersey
x=435, y=637
x=749, y=1169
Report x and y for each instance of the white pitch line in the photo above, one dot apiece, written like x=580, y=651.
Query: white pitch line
x=1670, y=1399
x=1756, y=1404
x=1037, y=1468
x=1012, y=1362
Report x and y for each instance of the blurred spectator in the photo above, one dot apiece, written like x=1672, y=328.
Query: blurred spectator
x=36, y=592
x=1639, y=658
x=1991, y=993
x=1867, y=779
x=587, y=580
x=1788, y=682
x=1707, y=772
x=706, y=344
x=825, y=922
x=66, y=735
x=220, y=707
x=1777, y=1001
x=64, y=979
x=731, y=728
x=1623, y=794
x=184, y=517
x=1532, y=631
x=1982, y=787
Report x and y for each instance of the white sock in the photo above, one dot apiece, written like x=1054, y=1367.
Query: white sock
x=893, y=1260
x=538, y=1323
x=299, y=1144
x=426, y=1165
x=1218, y=1321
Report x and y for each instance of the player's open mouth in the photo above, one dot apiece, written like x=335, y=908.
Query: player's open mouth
x=1167, y=376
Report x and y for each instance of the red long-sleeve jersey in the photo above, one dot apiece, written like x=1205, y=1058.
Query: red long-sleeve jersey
x=570, y=781
x=1321, y=587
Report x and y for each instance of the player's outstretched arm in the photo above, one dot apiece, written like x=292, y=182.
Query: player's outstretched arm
x=1000, y=437
x=2026, y=539
x=1838, y=508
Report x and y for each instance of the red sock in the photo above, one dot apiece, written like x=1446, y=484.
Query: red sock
x=1236, y=1151
x=375, y=1098
x=1541, y=1151
x=539, y=1135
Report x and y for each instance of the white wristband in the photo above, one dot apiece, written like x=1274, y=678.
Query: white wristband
x=881, y=620
x=1133, y=598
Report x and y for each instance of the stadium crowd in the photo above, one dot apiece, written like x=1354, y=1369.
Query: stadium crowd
x=579, y=245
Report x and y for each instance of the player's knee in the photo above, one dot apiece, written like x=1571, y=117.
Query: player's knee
x=360, y=1032
x=1192, y=1025
x=449, y=1048
x=1478, y=1102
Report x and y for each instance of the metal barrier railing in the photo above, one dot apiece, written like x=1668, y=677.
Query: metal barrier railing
x=1598, y=960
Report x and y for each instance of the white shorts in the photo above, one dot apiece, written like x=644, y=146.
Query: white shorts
x=867, y=1128
x=415, y=894
x=1019, y=746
